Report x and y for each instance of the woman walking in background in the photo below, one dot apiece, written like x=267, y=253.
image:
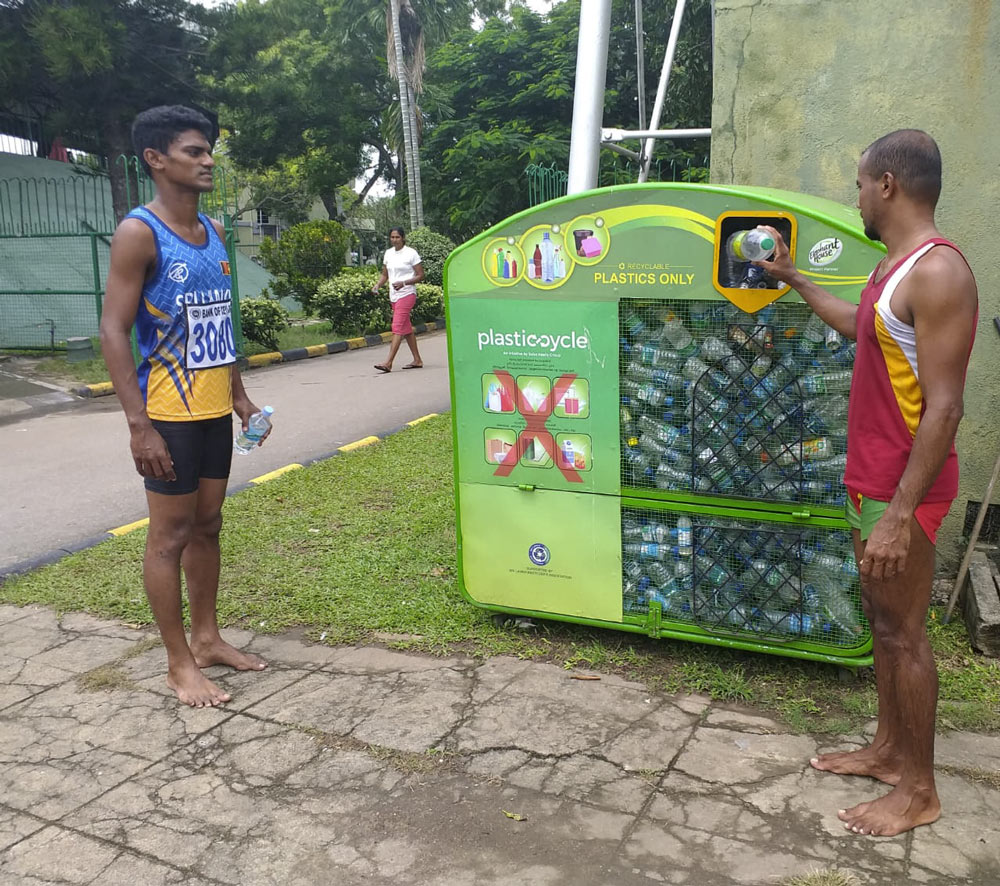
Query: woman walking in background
x=401, y=267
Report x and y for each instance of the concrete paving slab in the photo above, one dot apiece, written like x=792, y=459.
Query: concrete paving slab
x=247, y=688
x=13, y=613
x=541, y=707
x=24, y=678
x=363, y=765
x=411, y=709
x=968, y=750
x=61, y=748
x=16, y=826
x=727, y=756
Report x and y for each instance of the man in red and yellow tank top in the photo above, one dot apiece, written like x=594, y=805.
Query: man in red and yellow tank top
x=914, y=328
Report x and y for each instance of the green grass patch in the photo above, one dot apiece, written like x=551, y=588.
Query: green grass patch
x=300, y=335
x=822, y=878
x=88, y=372
x=361, y=548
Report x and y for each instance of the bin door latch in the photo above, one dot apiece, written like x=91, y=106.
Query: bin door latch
x=526, y=487
x=801, y=515
x=654, y=618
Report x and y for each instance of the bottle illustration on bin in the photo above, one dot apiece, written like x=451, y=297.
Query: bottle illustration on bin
x=545, y=259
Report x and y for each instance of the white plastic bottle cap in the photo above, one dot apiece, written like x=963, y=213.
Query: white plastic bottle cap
x=268, y=410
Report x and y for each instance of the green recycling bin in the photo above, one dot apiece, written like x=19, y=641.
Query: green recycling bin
x=650, y=433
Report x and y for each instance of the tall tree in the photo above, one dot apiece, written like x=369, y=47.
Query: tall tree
x=293, y=92
x=406, y=61
x=412, y=26
x=506, y=100
x=88, y=67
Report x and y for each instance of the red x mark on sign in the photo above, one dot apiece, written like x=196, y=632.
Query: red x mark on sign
x=535, y=422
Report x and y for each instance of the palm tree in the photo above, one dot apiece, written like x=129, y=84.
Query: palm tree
x=406, y=22
x=405, y=52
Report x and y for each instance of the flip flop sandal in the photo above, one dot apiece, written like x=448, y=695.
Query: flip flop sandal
x=381, y=367
x=414, y=366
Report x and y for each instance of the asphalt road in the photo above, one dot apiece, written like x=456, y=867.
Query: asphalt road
x=67, y=476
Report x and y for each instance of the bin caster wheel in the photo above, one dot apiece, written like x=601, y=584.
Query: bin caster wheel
x=502, y=620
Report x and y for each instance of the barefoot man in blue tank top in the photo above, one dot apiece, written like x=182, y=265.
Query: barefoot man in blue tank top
x=169, y=278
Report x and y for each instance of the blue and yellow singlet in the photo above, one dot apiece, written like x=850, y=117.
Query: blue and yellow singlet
x=184, y=326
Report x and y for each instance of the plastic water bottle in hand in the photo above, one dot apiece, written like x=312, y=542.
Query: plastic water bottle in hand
x=753, y=245
x=248, y=440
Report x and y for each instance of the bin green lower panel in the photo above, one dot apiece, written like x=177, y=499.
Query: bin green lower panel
x=545, y=552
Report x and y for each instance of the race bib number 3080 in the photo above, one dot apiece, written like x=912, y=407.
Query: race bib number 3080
x=210, y=340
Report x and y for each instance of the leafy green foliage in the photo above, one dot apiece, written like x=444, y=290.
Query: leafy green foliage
x=502, y=98
x=263, y=319
x=295, y=92
x=94, y=64
x=429, y=305
x=303, y=257
x=433, y=249
x=351, y=308
x=348, y=304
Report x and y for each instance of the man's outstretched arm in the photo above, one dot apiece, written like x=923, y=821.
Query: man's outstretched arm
x=835, y=312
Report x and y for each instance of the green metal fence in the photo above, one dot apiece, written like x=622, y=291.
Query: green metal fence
x=549, y=182
x=55, y=241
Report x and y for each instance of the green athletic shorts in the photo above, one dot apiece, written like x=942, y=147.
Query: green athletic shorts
x=863, y=513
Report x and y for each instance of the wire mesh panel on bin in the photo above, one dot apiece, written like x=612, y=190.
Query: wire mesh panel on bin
x=744, y=578
x=716, y=401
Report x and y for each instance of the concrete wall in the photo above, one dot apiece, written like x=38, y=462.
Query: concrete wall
x=803, y=86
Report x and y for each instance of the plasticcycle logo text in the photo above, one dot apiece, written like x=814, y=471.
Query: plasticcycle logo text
x=524, y=339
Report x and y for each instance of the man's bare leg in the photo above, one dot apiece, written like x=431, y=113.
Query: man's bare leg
x=877, y=760
x=200, y=560
x=899, y=606
x=170, y=520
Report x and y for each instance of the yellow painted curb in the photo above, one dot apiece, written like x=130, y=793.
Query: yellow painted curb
x=101, y=388
x=129, y=527
x=264, y=359
x=417, y=421
x=353, y=343
x=316, y=350
x=263, y=478
x=357, y=444
x=385, y=336
x=431, y=324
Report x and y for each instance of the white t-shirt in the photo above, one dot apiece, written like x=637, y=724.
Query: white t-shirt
x=400, y=264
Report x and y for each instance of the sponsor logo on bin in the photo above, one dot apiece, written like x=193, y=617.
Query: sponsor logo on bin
x=539, y=554
x=826, y=252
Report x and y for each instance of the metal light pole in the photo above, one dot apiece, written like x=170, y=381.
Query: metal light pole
x=588, y=99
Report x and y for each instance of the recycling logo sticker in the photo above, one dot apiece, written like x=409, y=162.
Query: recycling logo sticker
x=539, y=555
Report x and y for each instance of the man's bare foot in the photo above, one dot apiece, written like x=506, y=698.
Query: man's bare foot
x=898, y=811
x=220, y=652
x=195, y=689
x=870, y=761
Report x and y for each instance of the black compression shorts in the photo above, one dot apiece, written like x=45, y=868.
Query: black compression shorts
x=198, y=449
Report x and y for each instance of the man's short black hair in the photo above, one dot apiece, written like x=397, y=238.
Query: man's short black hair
x=913, y=158
x=157, y=127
